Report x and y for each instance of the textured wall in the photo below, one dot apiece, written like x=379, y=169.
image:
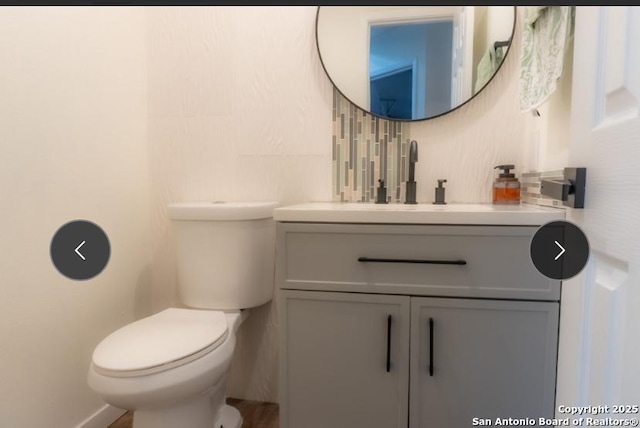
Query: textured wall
x=465, y=145
x=73, y=109
x=239, y=109
x=548, y=146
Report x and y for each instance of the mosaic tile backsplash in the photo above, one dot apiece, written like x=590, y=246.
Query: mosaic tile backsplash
x=358, y=152
x=530, y=188
x=360, y=141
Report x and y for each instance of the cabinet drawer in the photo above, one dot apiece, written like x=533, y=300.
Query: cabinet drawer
x=408, y=259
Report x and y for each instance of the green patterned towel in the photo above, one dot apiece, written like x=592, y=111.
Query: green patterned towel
x=488, y=65
x=545, y=36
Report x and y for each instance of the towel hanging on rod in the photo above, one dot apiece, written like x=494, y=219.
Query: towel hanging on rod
x=500, y=44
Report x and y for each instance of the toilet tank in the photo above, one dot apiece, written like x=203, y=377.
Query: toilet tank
x=224, y=253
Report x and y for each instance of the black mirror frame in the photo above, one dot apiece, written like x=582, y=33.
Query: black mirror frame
x=513, y=30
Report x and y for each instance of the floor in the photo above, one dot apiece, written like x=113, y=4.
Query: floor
x=255, y=415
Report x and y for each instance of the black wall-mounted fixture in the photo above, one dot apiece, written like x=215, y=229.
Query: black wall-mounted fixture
x=570, y=190
x=381, y=193
x=440, y=193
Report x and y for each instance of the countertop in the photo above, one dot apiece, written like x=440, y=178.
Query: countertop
x=468, y=214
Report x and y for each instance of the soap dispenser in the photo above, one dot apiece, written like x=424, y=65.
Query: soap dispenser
x=506, y=188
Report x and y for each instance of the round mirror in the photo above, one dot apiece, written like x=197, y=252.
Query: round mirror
x=412, y=63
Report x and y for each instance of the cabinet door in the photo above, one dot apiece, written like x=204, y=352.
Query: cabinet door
x=481, y=359
x=344, y=361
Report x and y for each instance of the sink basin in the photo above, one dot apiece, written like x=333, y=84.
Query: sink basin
x=355, y=212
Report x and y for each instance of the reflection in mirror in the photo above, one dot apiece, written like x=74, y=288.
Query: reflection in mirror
x=400, y=73
x=412, y=63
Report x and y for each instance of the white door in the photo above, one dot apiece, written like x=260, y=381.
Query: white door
x=600, y=317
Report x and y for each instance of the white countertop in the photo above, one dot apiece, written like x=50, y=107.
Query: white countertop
x=361, y=212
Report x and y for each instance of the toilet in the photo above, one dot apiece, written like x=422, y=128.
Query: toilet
x=170, y=368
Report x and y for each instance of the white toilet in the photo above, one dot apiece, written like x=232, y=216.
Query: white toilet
x=170, y=368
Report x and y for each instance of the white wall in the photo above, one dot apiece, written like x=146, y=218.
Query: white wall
x=550, y=137
x=72, y=145
x=239, y=109
x=499, y=24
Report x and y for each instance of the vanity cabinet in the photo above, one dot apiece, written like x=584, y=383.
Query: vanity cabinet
x=412, y=325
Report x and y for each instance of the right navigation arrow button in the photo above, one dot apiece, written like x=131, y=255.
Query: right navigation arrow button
x=548, y=252
x=561, y=252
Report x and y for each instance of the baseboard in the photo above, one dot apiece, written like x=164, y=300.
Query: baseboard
x=102, y=418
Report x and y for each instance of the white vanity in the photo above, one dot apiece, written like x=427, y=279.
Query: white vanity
x=413, y=315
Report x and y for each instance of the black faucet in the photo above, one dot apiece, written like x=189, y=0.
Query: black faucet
x=410, y=197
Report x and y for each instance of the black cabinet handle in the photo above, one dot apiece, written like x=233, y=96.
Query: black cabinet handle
x=426, y=262
x=388, y=343
x=430, y=346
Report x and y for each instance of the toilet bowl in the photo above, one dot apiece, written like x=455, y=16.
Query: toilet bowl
x=166, y=388
x=171, y=368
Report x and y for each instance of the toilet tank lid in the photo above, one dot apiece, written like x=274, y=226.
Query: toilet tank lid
x=221, y=211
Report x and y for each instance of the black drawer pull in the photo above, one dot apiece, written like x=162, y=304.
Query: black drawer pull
x=426, y=262
x=430, y=346
x=388, y=343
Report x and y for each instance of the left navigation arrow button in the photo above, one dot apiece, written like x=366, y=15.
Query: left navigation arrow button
x=78, y=252
x=80, y=249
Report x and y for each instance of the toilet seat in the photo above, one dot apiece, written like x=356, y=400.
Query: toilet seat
x=166, y=340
